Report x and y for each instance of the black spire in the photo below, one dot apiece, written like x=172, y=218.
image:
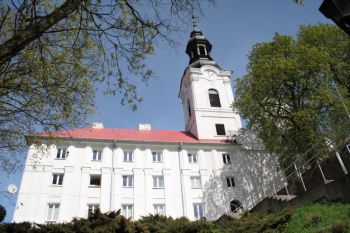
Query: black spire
x=199, y=48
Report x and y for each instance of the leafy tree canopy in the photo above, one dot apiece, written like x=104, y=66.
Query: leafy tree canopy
x=296, y=93
x=52, y=53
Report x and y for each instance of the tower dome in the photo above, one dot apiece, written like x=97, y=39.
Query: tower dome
x=198, y=49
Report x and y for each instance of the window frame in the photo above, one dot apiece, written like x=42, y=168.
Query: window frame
x=98, y=157
x=237, y=206
x=124, y=212
x=196, y=182
x=54, y=216
x=128, y=156
x=156, y=209
x=62, y=153
x=95, y=185
x=93, y=209
x=158, y=182
x=226, y=158
x=198, y=210
x=230, y=182
x=127, y=183
x=202, y=50
x=220, y=129
x=214, y=98
x=57, y=179
x=158, y=156
x=193, y=158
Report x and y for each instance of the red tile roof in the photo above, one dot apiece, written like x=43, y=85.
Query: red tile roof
x=131, y=135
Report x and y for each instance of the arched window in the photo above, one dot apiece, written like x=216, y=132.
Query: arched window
x=214, y=98
x=235, y=206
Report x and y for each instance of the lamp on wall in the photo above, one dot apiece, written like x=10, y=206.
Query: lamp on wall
x=338, y=11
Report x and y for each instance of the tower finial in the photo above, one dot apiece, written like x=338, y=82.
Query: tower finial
x=194, y=22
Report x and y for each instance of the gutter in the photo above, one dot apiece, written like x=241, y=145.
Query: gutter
x=111, y=195
x=181, y=181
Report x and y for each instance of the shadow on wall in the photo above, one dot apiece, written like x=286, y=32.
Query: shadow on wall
x=255, y=176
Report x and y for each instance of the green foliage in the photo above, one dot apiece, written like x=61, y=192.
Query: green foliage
x=314, y=219
x=289, y=96
x=2, y=213
x=331, y=218
x=157, y=223
x=261, y=222
x=340, y=227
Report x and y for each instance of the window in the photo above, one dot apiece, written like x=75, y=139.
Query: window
x=202, y=50
x=196, y=182
x=57, y=179
x=127, y=156
x=198, y=210
x=95, y=180
x=128, y=181
x=128, y=211
x=230, y=182
x=158, y=182
x=226, y=158
x=214, y=98
x=235, y=206
x=220, y=129
x=96, y=155
x=159, y=209
x=189, y=108
x=156, y=157
x=52, y=212
x=92, y=208
x=62, y=153
x=192, y=158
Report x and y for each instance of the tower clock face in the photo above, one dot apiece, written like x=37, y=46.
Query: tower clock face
x=210, y=74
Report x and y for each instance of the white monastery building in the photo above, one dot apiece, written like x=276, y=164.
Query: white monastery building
x=209, y=169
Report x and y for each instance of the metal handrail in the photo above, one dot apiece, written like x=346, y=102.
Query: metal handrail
x=310, y=161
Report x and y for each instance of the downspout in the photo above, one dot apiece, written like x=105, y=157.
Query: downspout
x=111, y=199
x=181, y=180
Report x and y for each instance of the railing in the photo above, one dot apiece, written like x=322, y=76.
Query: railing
x=298, y=174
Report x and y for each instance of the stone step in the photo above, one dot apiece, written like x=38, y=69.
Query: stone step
x=283, y=197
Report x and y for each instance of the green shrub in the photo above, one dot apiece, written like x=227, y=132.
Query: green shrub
x=261, y=222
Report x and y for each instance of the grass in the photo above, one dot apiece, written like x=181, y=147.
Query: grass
x=312, y=218
x=320, y=218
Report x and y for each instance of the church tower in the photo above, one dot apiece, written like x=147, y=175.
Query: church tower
x=206, y=93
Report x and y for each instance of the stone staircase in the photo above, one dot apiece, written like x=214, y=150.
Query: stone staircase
x=336, y=190
x=284, y=197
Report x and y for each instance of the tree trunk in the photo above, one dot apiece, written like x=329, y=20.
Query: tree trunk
x=31, y=32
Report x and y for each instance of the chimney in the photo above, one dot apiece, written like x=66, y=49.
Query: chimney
x=97, y=125
x=144, y=126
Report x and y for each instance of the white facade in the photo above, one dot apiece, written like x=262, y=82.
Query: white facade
x=194, y=93
x=250, y=170
x=175, y=178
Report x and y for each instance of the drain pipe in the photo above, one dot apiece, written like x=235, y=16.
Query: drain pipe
x=111, y=196
x=181, y=179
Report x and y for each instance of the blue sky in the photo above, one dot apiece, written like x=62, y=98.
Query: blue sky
x=233, y=27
